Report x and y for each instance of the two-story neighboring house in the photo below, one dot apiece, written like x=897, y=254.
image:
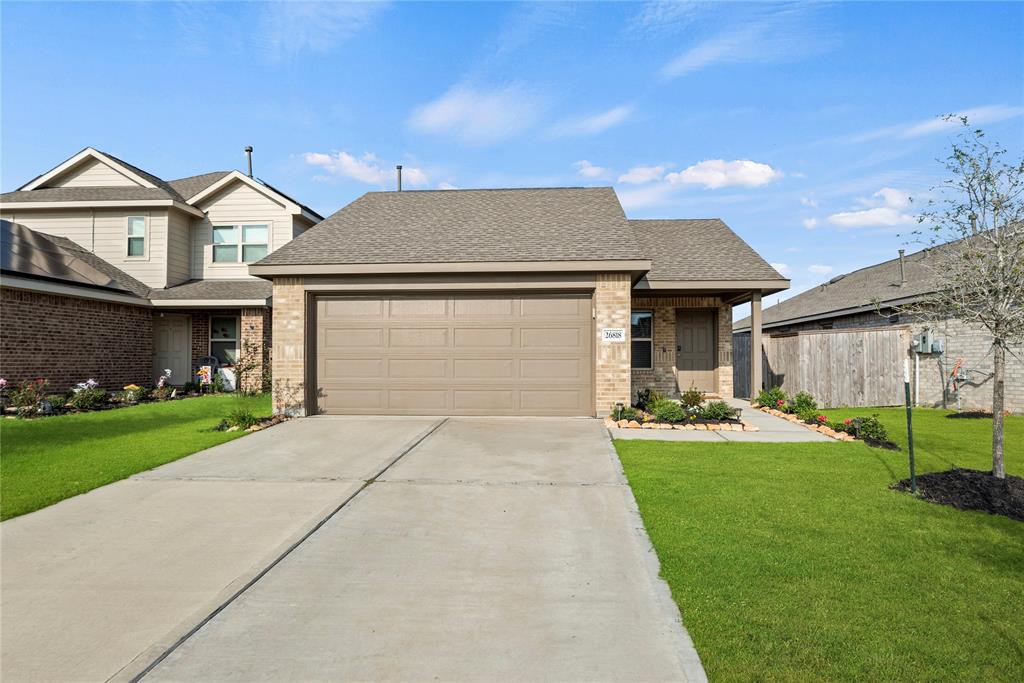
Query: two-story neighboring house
x=113, y=273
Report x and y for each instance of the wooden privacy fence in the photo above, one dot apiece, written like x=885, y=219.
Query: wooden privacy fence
x=845, y=367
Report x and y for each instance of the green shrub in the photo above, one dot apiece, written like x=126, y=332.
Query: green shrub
x=717, y=410
x=692, y=398
x=870, y=429
x=27, y=395
x=646, y=398
x=802, y=402
x=88, y=399
x=667, y=410
x=189, y=388
x=770, y=398
x=809, y=415
x=626, y=413
x=242, y=418
x=57, y=401
x=162, y=393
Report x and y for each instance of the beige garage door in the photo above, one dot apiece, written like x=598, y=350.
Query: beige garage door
x=454, y=355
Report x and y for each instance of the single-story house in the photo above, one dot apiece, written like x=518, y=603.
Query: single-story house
x=845, y=341
x=503, y=302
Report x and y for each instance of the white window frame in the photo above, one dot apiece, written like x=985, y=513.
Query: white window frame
x=237, y=340
x=240, y=244
x=128, y=237
x=649, y=340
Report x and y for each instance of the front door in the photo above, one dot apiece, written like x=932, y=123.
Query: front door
x=172, y=347
x=695, y=349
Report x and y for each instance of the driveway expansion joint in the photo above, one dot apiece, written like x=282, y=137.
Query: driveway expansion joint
x=405, y=450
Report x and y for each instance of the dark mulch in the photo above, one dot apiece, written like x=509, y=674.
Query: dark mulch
x=971, y=490
x=970, y=415
x=887, y=445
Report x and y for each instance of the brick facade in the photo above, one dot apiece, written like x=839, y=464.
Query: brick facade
x=255, y=328
x=289, y=346
x=612, y=379
x=662, y=376
x=68, y=340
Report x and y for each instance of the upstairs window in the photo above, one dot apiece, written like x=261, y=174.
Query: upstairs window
x=642, y=340
x=240, y=243
x=136, y=235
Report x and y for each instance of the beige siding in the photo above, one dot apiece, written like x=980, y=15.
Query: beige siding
x=237, y=204
x=93, y=173
x=104, y=232
x=179, y=248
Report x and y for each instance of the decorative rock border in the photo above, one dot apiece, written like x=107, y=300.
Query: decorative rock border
x=821, y=429
x=741, y=426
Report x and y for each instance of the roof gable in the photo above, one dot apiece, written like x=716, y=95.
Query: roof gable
x=90, y=168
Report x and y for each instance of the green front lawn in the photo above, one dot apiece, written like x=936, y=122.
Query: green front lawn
x=45, y=460
x=796, y=562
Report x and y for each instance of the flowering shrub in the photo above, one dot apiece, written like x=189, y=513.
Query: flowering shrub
x=802, y=402
x=87, y=385
x=822, y=419
x=769, y=398
x=87, y=398
x=28, y=395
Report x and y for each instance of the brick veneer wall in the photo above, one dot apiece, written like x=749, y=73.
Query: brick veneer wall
x=289, y=346
x=662, y=376
x=612, y=381
x=255, y=327
x=68, y=340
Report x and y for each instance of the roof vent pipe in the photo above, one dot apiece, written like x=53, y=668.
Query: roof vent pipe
x=903, y=268
x=248, y=154
x=398, y=168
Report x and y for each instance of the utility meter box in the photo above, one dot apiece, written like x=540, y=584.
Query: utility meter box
x=923, y=343
x=938, y=346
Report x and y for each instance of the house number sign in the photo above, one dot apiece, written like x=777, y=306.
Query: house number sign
x=613, y=334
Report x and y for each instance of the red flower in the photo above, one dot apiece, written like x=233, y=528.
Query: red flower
x=780, y=402
x=822, y=419
x=848, y=422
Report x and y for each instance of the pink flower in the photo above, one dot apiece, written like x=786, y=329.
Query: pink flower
x=822, y=419
x=780, y=402
x=848, y=422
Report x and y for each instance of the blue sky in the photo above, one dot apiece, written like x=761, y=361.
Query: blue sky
x=804, y=126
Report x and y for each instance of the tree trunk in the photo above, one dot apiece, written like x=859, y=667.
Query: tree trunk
x=998, y=467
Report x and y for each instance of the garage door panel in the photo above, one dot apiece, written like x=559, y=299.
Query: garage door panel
x=484, y=307
x=483, y=401
x=551, y=338
x=353, y=308
x=419, y=337
x=484, y=337
x=455, y=354
x=348, y=338
x=418, y=368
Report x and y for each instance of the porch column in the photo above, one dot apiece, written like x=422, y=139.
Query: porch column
x=755, y=344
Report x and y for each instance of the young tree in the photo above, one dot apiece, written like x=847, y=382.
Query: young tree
x=977, y=213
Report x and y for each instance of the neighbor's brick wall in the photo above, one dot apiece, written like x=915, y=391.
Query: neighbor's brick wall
x=256, y=329
x=662, y=376
x=68, y=340
x=289, y=346
x=612, y=309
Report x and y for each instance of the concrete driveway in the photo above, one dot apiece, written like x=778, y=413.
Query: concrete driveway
x=350, y=548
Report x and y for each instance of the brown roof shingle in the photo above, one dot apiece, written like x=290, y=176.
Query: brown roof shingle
x=215, y=290
x=698, y=249
x=448, y=226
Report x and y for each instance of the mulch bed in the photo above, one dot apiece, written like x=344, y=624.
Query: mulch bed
x=971, y=490
x=970, y=415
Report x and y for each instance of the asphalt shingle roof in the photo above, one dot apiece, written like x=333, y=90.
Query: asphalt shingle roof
x=216, y=289
x=86, y=194
x=865, y=287
x=193, y=185
x=447, y=226
x=32, y=254
x=698, y=249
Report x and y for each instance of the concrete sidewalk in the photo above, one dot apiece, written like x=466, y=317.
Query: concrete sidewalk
x=771, y=430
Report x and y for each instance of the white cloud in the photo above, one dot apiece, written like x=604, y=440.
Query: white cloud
x=593, y=124
x=444, y=185
x=365, y=169
x=716, y=173
x=645, y=197
x=886, y=208
x=810, y=223
x=807, y=201
x=819, y=269
x=976, y=116
x=783, y=268
x=642, y=174
x=290, y=28
x=766, y=35
x=588, y=170
x=476, y=116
